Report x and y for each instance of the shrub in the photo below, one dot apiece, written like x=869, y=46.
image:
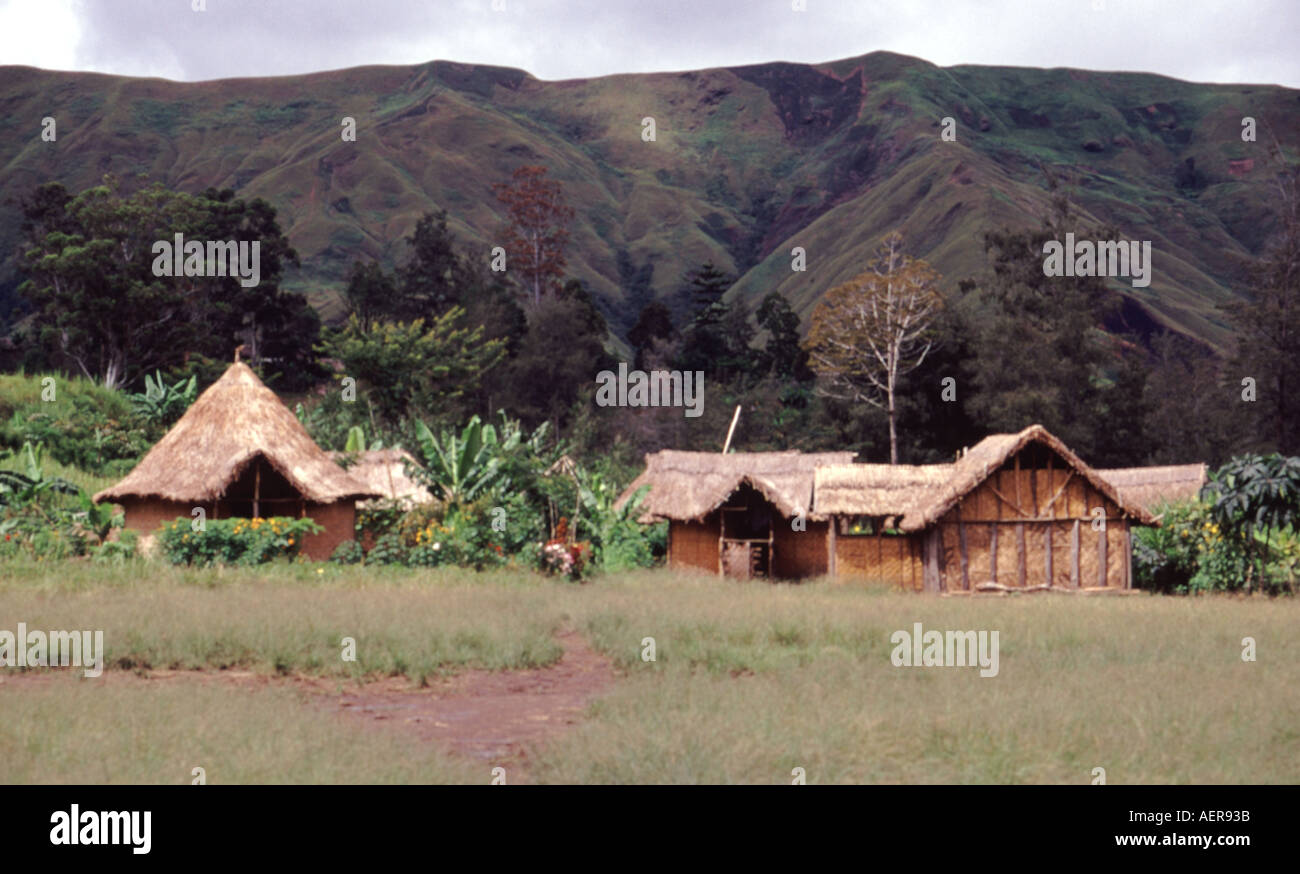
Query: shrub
x=348, y=552
x=388, y=549
x=234, y=541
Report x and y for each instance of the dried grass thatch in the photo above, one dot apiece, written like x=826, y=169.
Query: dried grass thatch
x=987, y=456
x=384, y=471
x=1153, y=486
x=690, y=485
x=876, y=489
x=237, y=419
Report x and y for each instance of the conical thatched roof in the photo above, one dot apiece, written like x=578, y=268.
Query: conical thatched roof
x=987, y=456
x=690, y=485
x=876, y=489
x=237, y=419
x=1152, y=486
x=384, y=471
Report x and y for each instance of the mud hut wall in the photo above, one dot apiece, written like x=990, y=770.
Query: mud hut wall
x=339, y=520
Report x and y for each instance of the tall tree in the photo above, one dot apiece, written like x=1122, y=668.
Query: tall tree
x=876, y=327
x=101, y=310
x=1040, y=354
x=409, y=368
x=653, y=325
x=1268, y=323
x=435, y=276
x=783, y=356
x=537, y=230
x=369, y=293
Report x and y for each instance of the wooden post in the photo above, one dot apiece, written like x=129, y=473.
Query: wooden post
x=1020, y=554
x=1128, y=555
x=1050, y=482
x=1033, y=489
x=1101, y=555
x=1074, y=556
x=831, y=567
x=993, y=553
x=965, y=559
x=1047, y=538
x=931, y=577
x=257, y=487
x=1020, y=504
x=722, y=536
x=734, y=417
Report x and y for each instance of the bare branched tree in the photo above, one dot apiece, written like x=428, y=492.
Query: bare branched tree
x=873, y=329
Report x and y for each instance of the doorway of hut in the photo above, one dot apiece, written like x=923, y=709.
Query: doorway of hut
x=745, y=535
x=260, y=491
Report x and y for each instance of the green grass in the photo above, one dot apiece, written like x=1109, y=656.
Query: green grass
x=749, y=681
x=78, y=731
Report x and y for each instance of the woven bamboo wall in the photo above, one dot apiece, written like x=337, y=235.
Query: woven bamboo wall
x=884, y=557
x=799, y=554
x=1026, y=507
x=694, y=544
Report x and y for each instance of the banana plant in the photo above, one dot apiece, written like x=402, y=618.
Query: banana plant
x=162, y=403
x=20, y=488
x=460, y=469
x=357, y=441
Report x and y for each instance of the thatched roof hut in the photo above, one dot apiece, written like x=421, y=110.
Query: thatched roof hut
x=238, y=451
x=1153, y=486
x=691, y=485
x=236, y=420
x=384, y=471
x=1019, y=510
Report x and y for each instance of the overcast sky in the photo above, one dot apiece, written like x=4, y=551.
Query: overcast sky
x=1200, y=40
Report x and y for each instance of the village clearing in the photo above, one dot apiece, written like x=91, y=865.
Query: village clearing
x=239, y=672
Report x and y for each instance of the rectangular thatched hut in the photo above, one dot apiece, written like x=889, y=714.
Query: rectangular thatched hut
x=239, y=452
x=1015, y=511
x=745, y=514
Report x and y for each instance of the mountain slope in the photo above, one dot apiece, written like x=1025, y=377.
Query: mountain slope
x=748, y=163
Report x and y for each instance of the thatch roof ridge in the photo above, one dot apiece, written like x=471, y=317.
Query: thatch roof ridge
x=987, y=456
x=235, y=420
x=384, y=471
x=875, y=489
x=1157, y=484
x=688, y=485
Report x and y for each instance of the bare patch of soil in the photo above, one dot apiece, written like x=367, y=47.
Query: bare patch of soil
x=492, y=716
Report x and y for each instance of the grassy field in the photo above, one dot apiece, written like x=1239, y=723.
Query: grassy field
x=749, y=682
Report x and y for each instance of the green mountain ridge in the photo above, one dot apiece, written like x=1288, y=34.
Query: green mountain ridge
x=749, y=162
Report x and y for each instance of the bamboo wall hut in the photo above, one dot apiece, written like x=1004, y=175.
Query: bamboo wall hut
x=744, y=514
x=239, y=452
x=1015, y=511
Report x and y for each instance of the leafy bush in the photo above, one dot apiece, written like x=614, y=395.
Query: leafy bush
x=118, y=551
x=348, y=552
x=234, y=541
x=1253, y=499
x=81, y=423
x=388, y=549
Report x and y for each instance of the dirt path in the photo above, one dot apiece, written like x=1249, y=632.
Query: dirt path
x=491, y=716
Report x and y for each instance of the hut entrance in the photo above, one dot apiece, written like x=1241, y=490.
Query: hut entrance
x=745, y=535
x=260, y=491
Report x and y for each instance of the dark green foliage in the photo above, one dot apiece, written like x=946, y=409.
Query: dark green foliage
x=101, y=310
x=234, y=541
x=1252, y=499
